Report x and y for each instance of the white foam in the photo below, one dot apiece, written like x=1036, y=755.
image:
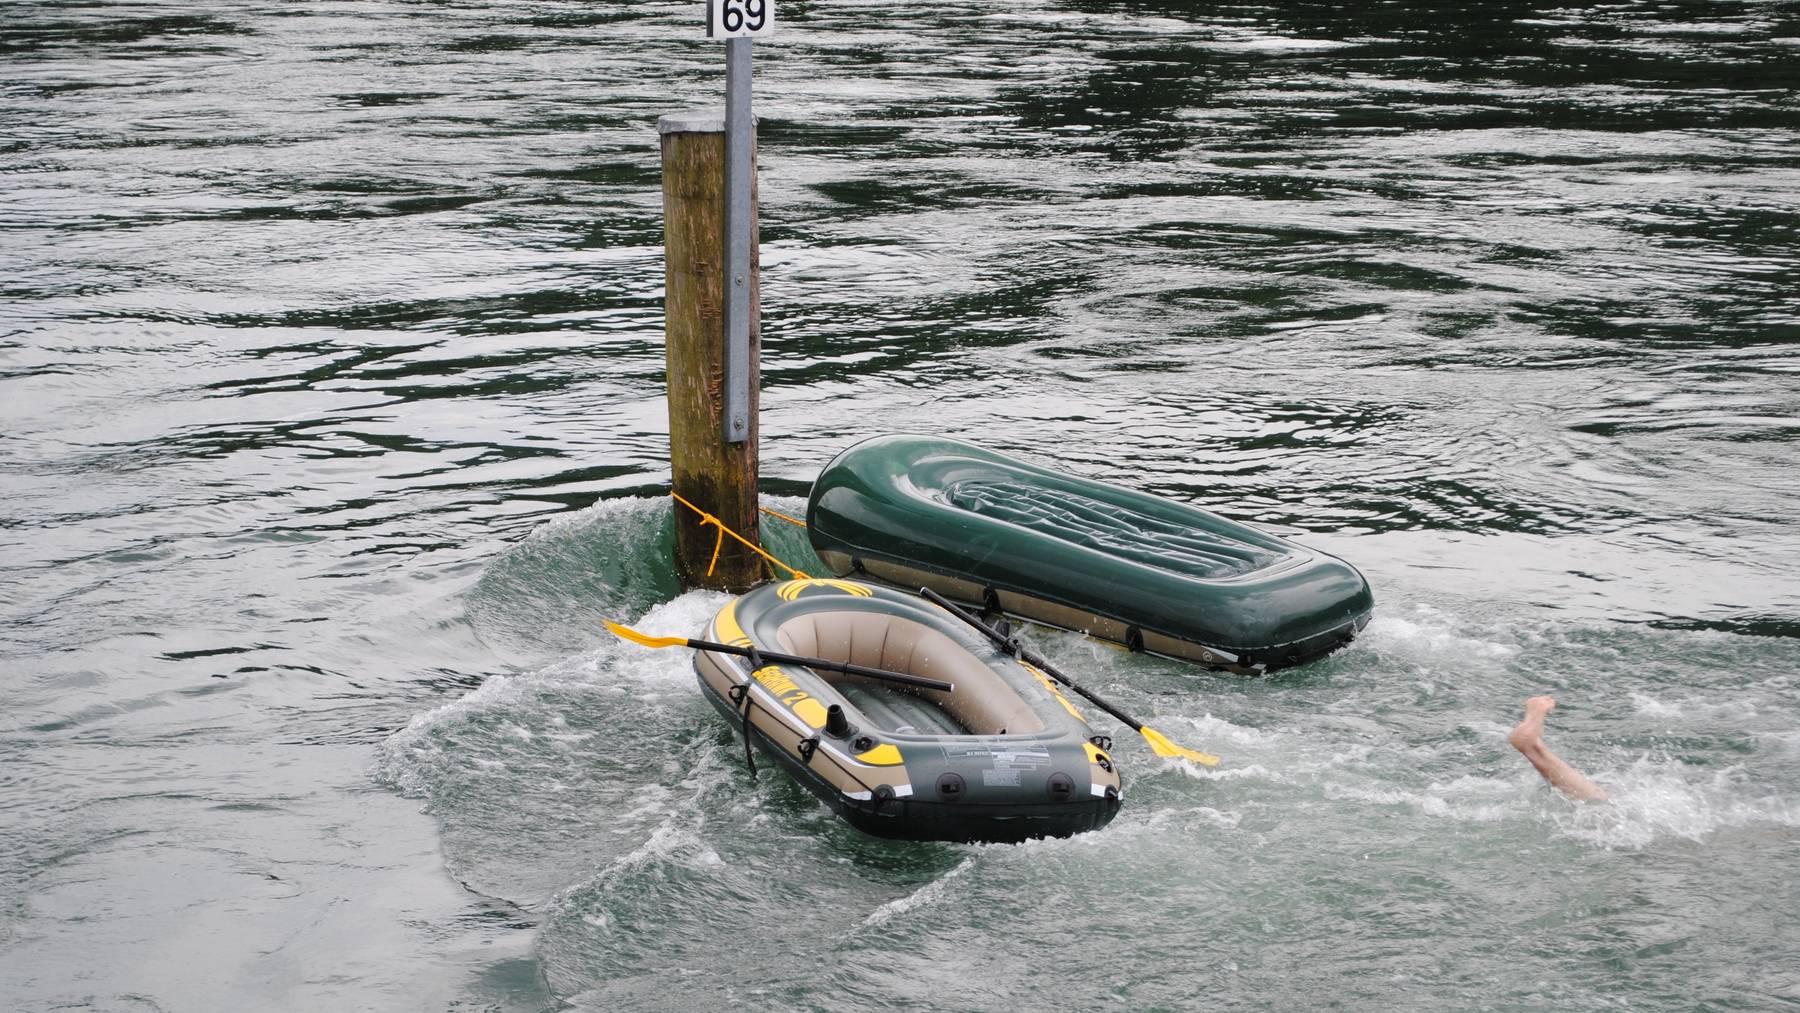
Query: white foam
x=611, y=668
x=1442, y=801
x=1217, y=817
x=1657, y=798
x=651, y=668
x=1251, y=43
x=1208, y=730
x=1697, y=27
x=652, y=800
x=632, y=507
x=1432, y=630
x=676, y=839
x=1788, y=739
x=924, y=895
x=1247, y=772
x=1152, y=824
x=671, y=841
x=1735, y=709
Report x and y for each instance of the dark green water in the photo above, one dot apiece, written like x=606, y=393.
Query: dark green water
x=331, y=422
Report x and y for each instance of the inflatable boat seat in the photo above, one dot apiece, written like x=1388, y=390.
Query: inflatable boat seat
x=983, y=703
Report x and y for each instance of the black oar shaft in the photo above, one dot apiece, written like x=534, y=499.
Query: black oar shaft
x=835, y=666
x=1012, y=646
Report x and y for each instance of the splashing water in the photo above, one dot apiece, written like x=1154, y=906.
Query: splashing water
x=603, y=796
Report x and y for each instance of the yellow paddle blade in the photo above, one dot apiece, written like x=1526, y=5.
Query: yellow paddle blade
x=627, y=633
x=1161, y=746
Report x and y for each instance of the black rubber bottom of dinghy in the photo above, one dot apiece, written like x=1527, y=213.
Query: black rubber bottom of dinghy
x=914, y=819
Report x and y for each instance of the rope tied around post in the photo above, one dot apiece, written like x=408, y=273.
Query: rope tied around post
x=724, y=529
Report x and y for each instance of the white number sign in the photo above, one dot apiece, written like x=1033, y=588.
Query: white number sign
x=734, y=19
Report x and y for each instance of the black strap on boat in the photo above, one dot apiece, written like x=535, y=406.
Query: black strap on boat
x=990, y=601
x=807, y=748
x=1134, y=639
x=741, y=694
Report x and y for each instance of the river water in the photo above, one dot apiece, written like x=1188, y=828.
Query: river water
x=331, y=423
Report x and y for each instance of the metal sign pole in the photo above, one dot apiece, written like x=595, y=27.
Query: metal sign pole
x=740, y=168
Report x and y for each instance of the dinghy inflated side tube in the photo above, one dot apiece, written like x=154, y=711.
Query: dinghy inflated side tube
x=1150, y=573
x=1003, y=756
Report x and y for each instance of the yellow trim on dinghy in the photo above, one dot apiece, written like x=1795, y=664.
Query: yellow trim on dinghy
x=810, y=711
x=726, y=625
x=884, y=755
x=1055, y=691
x=1096, y=754
x=792, y=589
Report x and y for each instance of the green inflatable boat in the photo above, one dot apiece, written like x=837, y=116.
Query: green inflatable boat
x=977, y=746
x=1143, y=571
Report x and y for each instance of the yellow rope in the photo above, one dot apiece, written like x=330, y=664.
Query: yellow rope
x=706, y=518
x=718, y=543
x=776, y=513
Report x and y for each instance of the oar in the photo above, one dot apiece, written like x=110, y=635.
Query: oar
x=1159, y=743
x=627, y=633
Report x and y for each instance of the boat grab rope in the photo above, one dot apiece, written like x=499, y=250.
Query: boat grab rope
x=706, y=518
x=741, y=693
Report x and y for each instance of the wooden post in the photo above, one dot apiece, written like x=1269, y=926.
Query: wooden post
x=716, y=476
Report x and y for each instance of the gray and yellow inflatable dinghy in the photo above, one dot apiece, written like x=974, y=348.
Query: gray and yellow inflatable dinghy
x=1003, y=756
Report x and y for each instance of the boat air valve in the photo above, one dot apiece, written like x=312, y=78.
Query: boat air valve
x=836, y=724
x=1062, y=787
x=863, y=744
x=950, y=786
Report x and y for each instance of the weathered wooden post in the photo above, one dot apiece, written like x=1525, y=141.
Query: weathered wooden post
x=716, y=476
x=712, y=311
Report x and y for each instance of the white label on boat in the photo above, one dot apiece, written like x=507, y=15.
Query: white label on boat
x=1007, y=778
x=1002, y=754
x=736, y=19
